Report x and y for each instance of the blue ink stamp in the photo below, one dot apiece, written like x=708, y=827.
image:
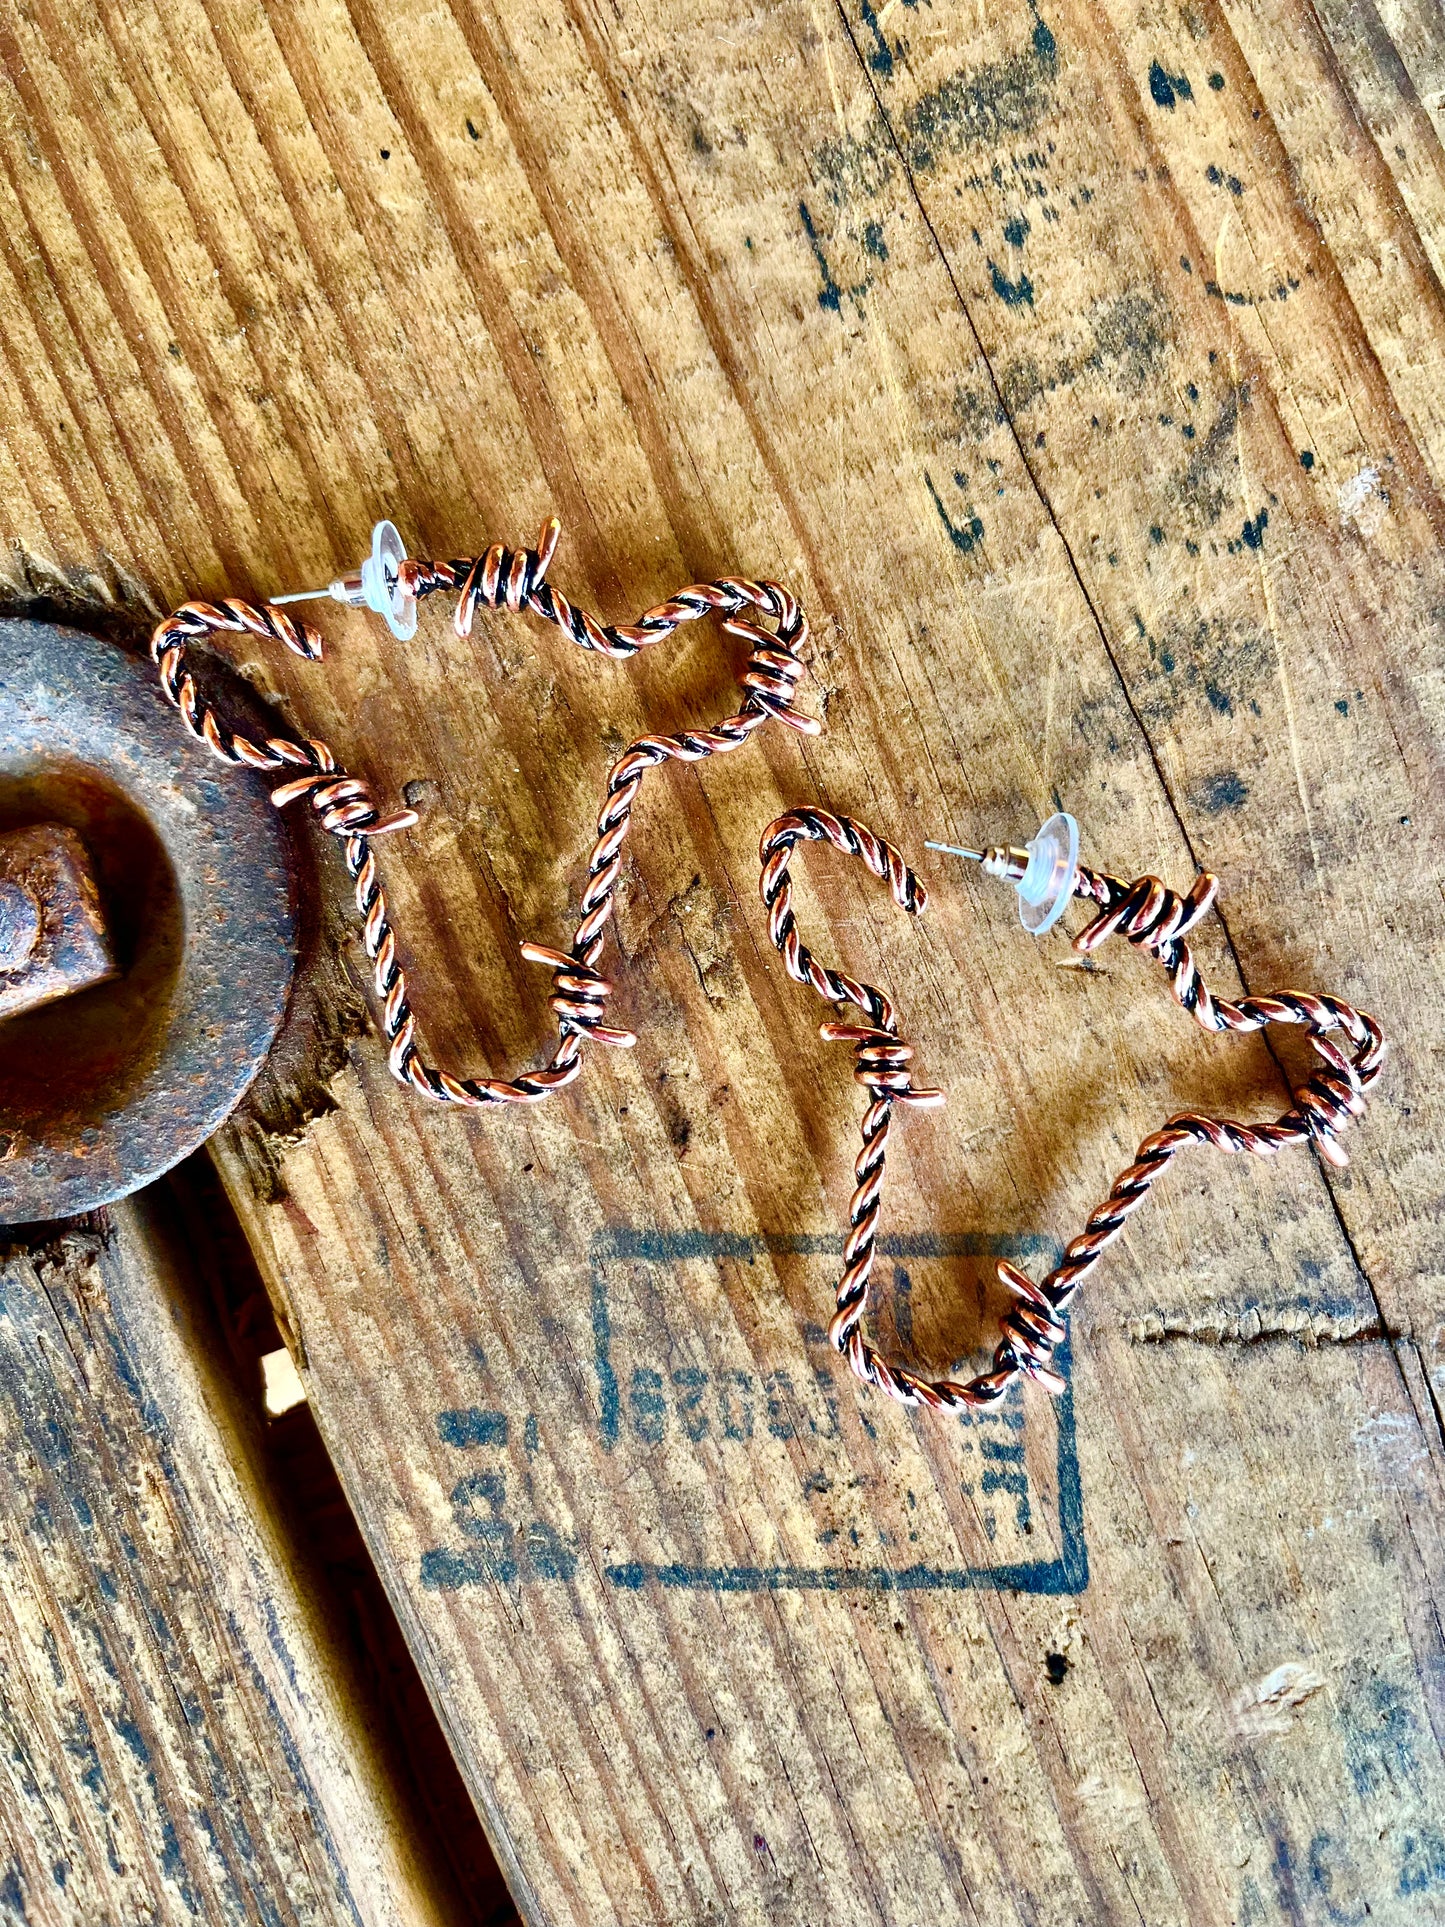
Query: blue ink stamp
x=649, y=1394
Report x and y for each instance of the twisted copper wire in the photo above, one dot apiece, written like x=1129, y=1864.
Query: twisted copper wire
x=881, y=1067
x=343, y=804
x=1155, y=919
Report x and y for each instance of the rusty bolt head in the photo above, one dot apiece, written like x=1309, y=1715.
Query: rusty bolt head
x=53, y=938
x=19, y=926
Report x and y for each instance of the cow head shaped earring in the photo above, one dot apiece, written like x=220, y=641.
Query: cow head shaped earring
x=390, y=584
x=1047, y=875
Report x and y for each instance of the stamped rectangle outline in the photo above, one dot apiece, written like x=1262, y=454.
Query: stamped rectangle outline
x=1068, y=1572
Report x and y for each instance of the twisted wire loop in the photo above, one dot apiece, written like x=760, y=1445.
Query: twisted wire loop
x=515, y=579
x=344, y=806
x=881, y=1066
x=1155, y=919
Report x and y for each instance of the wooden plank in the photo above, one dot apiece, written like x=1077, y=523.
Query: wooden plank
x=179, y=1738
x=374, y=1674
x=1003, y=337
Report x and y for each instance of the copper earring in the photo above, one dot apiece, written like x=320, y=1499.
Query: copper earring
x=1155, y=919
x=390, y=583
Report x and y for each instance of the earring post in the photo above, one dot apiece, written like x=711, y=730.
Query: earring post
x=301, y=595
x=954, y=849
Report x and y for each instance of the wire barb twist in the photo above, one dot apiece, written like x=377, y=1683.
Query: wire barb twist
x=1154, y=919
x=344, y=806
x=881, y=1064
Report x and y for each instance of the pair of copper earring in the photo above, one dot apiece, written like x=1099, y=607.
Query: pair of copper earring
x=1046, y=875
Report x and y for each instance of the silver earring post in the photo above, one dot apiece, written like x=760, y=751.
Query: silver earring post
x=377, y=585
x=1044, y=873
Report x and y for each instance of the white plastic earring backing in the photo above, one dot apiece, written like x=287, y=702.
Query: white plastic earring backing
x=1043, y=873
x=377, y=585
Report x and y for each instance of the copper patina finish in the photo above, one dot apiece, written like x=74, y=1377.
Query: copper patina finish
x=1152, y=917
x=1155, y=919
x=344, y=806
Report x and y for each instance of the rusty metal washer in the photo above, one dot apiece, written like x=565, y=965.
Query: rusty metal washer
x=106, y=1088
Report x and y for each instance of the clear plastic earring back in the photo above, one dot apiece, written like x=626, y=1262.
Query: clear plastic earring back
x=377, y=585
x=1042, y=873
x=381, y=586
x=1048, y=883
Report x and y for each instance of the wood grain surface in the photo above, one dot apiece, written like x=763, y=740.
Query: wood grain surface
x=180, y=1742
x=1079, y=366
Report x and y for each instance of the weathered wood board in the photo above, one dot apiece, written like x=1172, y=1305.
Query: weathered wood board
x=179, y=1742
x=1080, y=367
